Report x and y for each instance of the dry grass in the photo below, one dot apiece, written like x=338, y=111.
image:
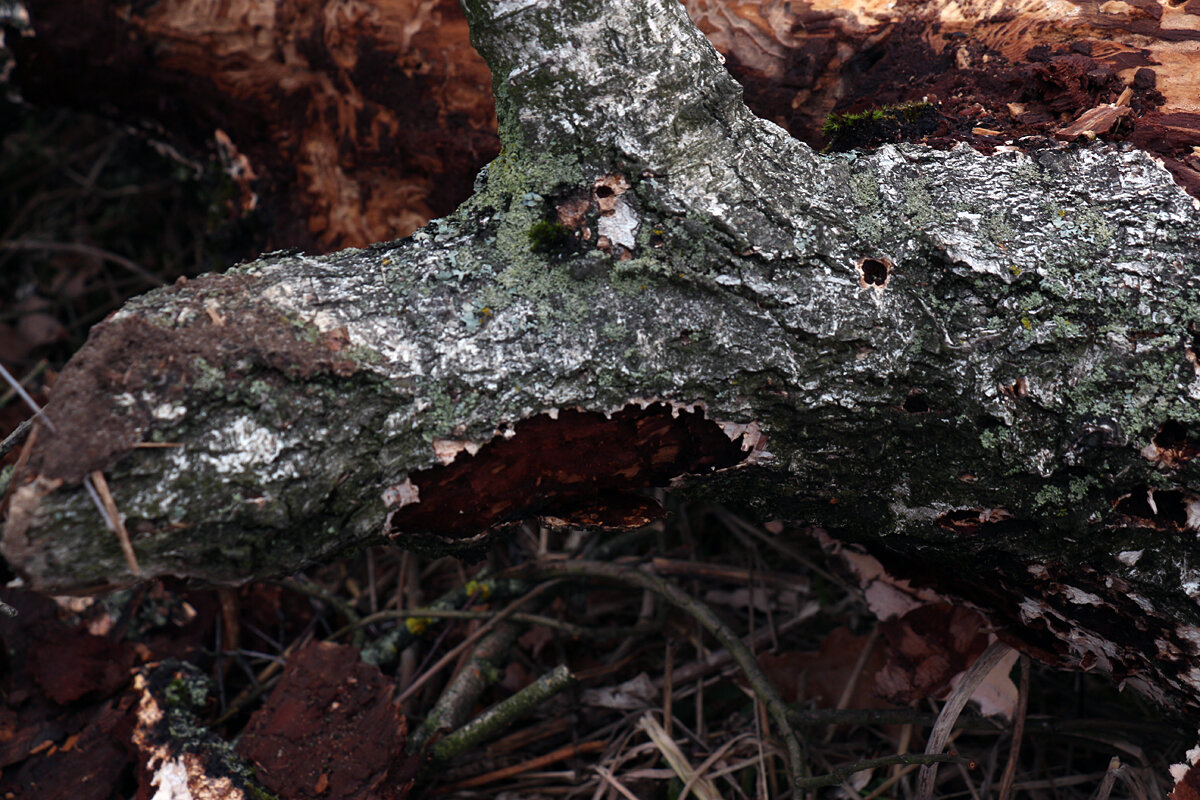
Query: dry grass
x=660, y=707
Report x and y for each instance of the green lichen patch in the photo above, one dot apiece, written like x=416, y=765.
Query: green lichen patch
x=552, y=238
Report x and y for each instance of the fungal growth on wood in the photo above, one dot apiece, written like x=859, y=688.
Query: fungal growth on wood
x=581, y=467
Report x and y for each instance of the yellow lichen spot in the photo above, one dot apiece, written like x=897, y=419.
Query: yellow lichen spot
x=1062, y=212
x=477, y=588
x=485, y=311
x=1015, y=270
x=1027, y=322
x=417, y=625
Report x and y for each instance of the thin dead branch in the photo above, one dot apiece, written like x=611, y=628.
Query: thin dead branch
x=710, y=622
x=955, y=703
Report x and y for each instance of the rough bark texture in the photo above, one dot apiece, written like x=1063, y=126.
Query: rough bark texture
x=346, y=124
x=982, y=367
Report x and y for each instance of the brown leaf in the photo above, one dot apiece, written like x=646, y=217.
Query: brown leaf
x=822, y=676
x=927, y=647
x=40, y=328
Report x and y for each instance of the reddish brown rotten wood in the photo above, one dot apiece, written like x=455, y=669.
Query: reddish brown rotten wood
x=1094, y=121
x=363, y=124
x=130, y=356
x=578, y=466
x=1173, y=446
x=330, y=730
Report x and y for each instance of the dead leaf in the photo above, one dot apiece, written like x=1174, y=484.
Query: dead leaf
x=927, y=647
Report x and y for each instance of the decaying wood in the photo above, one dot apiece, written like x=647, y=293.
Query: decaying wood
x=350, y=124
x=342, y=124
x=983, y=368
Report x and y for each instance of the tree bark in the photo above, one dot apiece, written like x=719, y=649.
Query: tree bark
x=983, y=368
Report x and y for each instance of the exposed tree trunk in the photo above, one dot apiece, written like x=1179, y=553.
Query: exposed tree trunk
x=350, y=124
x=983, y=368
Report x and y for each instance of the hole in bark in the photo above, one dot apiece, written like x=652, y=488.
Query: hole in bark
x=549, y=237
x=874, y=272
x=582, y=468
x=965, y=521
x=1161, y=508
x=970, y=520
x=916, y=403
x=604, y=191
x=1171, y=435
x=1174, y=445
x=1018, y=388
x=1096, y=432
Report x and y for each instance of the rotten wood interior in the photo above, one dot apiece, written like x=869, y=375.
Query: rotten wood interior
x=350, y=125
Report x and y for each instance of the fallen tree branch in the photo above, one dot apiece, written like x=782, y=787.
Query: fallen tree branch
x=491, y=722
x=983, y=368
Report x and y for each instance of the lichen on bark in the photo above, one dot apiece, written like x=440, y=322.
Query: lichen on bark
x=969, y=363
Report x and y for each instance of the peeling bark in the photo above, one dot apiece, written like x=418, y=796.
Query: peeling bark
x=983, y=368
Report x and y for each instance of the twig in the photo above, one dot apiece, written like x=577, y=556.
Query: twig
x=606, y=774
x=263, y=682
x=1018, y=733
x=568, y=628
x=463, y=691
x=841, y=773
x=957, y=701
x=701, y=770
x=570, y=751
x=717, y=659
x=852, y=682
x=316, y=592
x=87, y=250
x=384, y=650
x=14, y=438
x=758, y=681
x=883, y=716
x=498, y=717
x=889, y=782
x=704, y=788
x=98, y=489
x=727, y=573
x=424, y=677
x=29, y=401
x=1110, y=778
x=38, y=369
